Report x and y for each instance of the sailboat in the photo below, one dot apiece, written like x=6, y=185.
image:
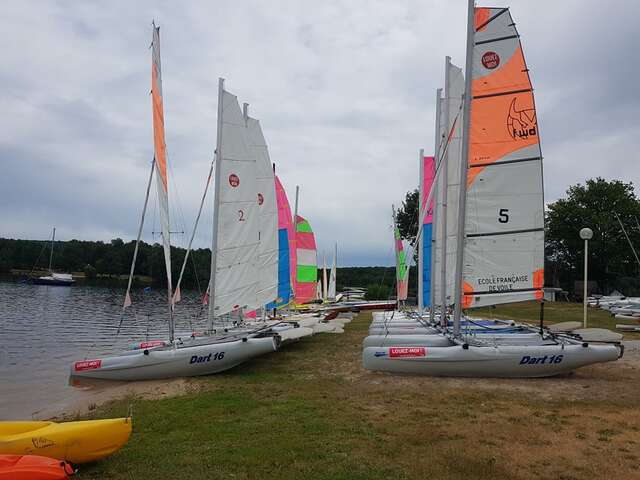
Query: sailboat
x=57, y=279
x=234, y=283
x=499, y=239
x=333, y=275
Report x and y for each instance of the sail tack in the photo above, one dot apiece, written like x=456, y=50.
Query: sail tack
x=504, y=237
x=307, y=262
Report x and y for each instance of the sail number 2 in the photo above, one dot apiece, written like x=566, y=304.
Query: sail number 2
x=241, y=215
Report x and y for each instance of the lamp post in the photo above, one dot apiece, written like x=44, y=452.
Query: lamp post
x=586, y=234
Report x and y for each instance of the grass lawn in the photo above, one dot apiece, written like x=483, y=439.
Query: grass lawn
x=310, y=411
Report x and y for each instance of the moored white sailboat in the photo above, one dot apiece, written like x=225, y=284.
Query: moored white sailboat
x=235, y=244
x=499, y=238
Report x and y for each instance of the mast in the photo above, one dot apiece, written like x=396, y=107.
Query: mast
x=420, y=259
x=466, y=118
x=216, y=205
x=53, y=239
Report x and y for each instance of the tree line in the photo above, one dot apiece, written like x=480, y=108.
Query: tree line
x=110, y=262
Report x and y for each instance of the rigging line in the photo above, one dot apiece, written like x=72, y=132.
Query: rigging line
x=195, y=228
x=127, y=297
x=627, y=236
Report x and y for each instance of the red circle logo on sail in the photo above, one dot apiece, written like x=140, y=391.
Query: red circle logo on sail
x=260, y=199
x=490, y=60
x=234, y=180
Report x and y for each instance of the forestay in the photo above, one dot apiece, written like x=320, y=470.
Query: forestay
x=504, y=237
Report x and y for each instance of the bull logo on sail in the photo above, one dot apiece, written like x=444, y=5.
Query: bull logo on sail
x=260, y=199
x=234, y=180
x=521, y=124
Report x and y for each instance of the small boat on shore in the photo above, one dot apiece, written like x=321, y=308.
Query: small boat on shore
x=75, y=442
x=33, y=467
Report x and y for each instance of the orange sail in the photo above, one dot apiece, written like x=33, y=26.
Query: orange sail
x=504, y=247
x=160, y=152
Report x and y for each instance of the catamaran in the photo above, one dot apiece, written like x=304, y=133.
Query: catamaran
x=499, y=227
x=234, y=280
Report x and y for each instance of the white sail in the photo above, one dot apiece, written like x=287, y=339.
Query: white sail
x=452, y=133
x=325, y=285
x=504, y=236
x=235, y=276
x=267, y=261
x=439, y=188
x=331, y=292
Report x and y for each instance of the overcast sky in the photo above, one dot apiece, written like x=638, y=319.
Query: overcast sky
x=345, y=92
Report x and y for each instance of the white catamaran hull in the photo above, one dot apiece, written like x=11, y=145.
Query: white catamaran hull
x=167, y=362
x=487, y=361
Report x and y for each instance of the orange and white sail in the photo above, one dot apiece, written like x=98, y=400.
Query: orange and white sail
x=160, y=152
x=504, y=221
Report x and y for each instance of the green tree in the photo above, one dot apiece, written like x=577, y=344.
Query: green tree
x=407, y=216
x=594, y=205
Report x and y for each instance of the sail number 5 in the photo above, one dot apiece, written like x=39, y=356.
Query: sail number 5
x=503, y=215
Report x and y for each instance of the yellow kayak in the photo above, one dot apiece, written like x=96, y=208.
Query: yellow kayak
x=75, y=442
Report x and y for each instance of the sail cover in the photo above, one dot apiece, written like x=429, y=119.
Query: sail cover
x=236, y=277
x=286, y=261
x=160, y=151
x=307, y=268
x=504, y=246
x=428, y=175
x=268, y=216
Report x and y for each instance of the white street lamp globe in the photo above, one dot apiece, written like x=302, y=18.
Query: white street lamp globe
x=586, y=234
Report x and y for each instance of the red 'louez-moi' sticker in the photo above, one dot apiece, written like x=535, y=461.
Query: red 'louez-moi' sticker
x=398, y=352
x=87, y=365
x=234, y=180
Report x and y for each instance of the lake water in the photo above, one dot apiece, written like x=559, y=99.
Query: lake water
x=43, y=329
